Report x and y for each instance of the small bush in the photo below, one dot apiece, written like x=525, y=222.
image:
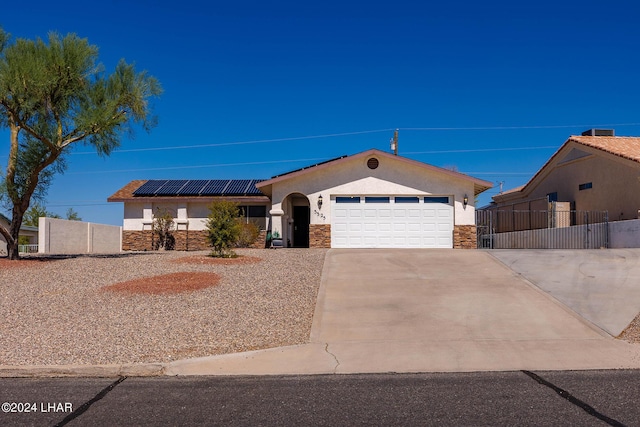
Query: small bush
x=223, y=228
x=163, y=225
x=249, y=233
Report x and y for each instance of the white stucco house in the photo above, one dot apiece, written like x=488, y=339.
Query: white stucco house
x=28, y=232
x=372, y=199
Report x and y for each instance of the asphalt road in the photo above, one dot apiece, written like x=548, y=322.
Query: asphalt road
x=505, y=398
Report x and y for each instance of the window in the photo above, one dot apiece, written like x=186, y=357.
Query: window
x=585, y=186
x=407, y=200
x=374, y=199
x=433, y=199
x=552, y=197
x=255, y=214
x=347, y=199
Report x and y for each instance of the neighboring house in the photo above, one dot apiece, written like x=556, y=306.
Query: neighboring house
x=596, y=171
x=31, y=233
x=368, y=200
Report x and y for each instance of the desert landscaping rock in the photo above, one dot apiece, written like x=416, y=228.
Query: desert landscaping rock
x=56, y=312
x=172, y=283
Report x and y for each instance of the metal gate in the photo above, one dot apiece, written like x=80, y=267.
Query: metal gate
x=546, y=229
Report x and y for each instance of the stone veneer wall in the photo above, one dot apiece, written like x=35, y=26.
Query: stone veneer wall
x=137, y=240
x=319, y=235
x=464, y=237
x=194, y=240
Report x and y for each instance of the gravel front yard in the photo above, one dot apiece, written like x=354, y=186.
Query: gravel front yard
x=59, y=311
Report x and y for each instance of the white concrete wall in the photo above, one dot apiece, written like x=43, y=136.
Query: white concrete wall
x=624, y=234
x=63, y=237
x=3, y=246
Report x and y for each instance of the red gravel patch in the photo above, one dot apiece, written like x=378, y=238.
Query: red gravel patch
x=167, y=284
x=20, y=263
x=209, y=260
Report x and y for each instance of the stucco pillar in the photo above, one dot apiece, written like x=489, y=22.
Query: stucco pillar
x=276, y=221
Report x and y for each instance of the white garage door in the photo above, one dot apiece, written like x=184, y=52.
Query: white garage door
x=391, y=222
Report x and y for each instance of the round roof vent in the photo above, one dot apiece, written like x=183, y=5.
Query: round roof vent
x=373, y=163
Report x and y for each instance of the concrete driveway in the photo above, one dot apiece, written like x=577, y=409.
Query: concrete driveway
x=603, y=286
x=430, y=311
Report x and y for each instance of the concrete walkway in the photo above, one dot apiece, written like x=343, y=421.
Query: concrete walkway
x=429, y=311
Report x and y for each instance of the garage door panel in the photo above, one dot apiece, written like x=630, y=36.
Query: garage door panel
x=340, y=227
x=385, y=225
x=370, y=227
x=400, y=213
x=429, y=227
x=413, y=227
x=340, y=213
x=399, y=227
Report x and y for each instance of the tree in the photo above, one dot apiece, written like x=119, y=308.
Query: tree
x=223, y=227
x=72, y=215
x=32, y=215
x=54, y=95
x=162, y=229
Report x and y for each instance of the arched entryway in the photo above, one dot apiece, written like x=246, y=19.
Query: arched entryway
x=297, y=216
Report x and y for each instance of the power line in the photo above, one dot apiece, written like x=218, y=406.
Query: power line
x=200, y=166
x=476, y=150
x=258, y=141
x=523, y=127
x=333, y=135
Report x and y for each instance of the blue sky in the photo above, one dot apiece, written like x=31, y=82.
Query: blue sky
x=255, y=89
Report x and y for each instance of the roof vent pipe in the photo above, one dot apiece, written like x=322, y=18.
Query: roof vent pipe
x=599, y=132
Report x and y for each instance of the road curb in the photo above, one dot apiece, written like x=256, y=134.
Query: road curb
x=96, y=371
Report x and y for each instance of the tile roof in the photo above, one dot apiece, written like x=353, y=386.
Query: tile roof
x=126, y=192
x=623, y=146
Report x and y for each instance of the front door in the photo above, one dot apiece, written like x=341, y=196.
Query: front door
x=301, y=226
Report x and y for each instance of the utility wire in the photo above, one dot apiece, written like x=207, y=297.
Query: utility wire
x=258, y=141
x=333, y=135
x=200, y=166
x=477, y=150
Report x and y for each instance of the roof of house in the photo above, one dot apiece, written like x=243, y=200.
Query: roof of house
x=254, y=190
x=23, y=227
x=193, y=189
x=625, y=147
x=479, y=184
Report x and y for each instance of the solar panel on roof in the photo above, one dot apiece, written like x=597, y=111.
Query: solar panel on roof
x=215, y=187
x=237, y=187
x=171, y=188
x=150, y=187
x=252, y=189
x=193, y=187
x=199, y=187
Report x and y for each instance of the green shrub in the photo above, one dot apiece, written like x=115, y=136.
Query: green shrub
x=223, y=228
